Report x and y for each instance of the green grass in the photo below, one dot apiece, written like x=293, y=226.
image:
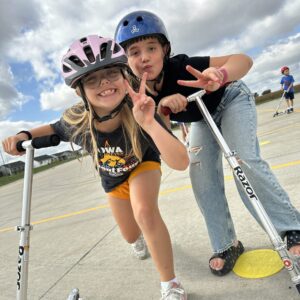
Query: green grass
x=8, y=179
x=274, y=95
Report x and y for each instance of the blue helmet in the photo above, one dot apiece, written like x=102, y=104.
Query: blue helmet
x=139, y=24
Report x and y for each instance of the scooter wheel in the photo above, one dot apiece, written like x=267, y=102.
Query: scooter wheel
x=74, y=295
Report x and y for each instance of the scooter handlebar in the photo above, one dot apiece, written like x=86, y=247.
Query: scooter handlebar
x=40, y=142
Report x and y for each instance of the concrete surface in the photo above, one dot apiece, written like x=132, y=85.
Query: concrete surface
x=75, y=242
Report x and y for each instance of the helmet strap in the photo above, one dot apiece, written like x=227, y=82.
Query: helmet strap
x=83, y=96
x=157, y=80
x=112, y=114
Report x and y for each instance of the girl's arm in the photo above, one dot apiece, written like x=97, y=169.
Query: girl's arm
x=236, y=65
x=172, y=151
x=221, y=69
x=165, y=119
x=9, y=144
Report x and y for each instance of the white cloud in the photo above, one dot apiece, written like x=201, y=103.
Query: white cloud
x=262, y=33
x=265, y=73
x=60, y=98
x=39, y=33
x=8, y=128
x=10, y=98
x=17, y=16
x=214, y=27
x=61, y=22
x=207, y=25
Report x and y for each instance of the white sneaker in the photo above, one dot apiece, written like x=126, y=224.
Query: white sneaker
x=174, y=292
x=140, y=248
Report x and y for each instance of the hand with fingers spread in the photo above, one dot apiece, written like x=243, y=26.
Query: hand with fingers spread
x=210, y=79
x=143, y=106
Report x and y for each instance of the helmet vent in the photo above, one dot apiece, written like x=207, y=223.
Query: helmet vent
x=139, y=18
x=103, y=49
x=89, y=53
x=125, y=23
x=66, y=69
x=117, y=48
x=76, y=61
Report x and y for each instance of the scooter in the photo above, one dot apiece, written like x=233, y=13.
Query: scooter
x=289, y=261
x=277, y=113
x=25, y=227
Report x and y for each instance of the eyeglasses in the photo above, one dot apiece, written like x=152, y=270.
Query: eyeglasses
x=92, y=81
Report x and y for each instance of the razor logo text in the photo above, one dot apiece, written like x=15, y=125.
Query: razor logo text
x=246, y=185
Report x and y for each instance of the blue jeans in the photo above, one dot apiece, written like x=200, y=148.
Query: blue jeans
x=236, y=118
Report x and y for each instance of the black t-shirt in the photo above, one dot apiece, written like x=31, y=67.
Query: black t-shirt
x=114, y=164
x=175, y=68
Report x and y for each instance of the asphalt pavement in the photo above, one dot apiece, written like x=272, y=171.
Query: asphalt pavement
x=76, y=243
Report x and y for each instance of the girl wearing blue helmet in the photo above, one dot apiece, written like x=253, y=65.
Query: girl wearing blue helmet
x=170, y=80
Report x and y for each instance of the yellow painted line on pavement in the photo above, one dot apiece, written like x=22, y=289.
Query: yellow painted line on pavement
x=262, y=143
x=7, y=229
x=273, y=110
x=281, y=166
x=296, y=109
x=278, y=129
x=165, y=192
x=80, y=212
x=292, y=163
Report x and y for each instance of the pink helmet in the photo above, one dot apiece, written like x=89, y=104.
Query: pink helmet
x=90, y=54
x=283, y=69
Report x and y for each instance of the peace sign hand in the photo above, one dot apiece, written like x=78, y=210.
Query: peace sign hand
x=210, y=79
x=143, y=106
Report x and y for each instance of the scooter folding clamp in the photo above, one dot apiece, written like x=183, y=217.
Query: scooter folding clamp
x=194, y=96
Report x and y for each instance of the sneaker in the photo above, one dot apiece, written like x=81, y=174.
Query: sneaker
x=288, y=111
x=140, y=248
x=292, y=109
x=174, y=292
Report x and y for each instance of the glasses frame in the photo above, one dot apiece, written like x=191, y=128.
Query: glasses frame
x=111, y=74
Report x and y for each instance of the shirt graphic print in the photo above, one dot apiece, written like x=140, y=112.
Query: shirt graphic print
x=114, y=162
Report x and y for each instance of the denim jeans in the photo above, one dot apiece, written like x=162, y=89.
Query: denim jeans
x=236, y=118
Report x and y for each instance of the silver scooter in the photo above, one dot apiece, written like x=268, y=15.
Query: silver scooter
x=25, y=227
x=277, y=112
x=290, y=262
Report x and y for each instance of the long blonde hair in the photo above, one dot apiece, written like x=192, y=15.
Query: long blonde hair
x=83, y=122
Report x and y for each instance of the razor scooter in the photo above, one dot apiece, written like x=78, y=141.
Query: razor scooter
x=25, y=227
x=289, y=261
x=277, y=113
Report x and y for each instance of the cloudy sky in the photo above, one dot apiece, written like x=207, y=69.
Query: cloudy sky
x=34, y=35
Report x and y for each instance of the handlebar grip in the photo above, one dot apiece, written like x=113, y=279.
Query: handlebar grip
x=45, y=141
x=165, y=110
x=41, y=142
x=20, y=147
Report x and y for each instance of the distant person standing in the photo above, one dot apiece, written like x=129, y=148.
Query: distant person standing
x=287, y=82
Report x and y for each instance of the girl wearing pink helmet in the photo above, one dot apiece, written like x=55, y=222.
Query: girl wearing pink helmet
x=230, y=102
x=119, y=128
